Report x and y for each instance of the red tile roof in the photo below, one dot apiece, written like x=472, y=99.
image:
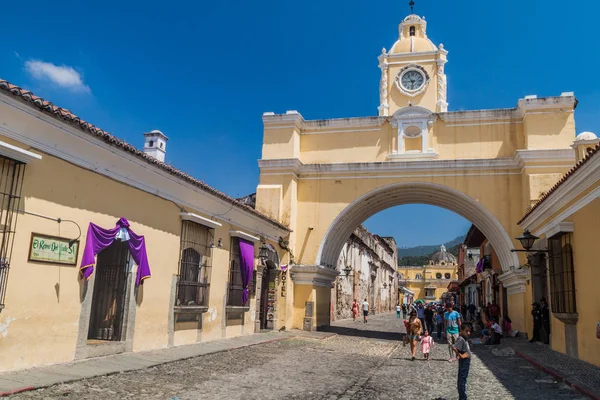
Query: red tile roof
x=562, y=180
x=68, y=117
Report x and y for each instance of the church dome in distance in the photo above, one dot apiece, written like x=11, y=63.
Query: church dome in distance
x=443, y=256
x=586, y=136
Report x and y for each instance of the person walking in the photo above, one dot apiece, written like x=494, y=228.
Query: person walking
x=426, y=344
x=365, y=307
x=452, y=323
x=354, y=309
x=536, y=313
x=439, y=322
x=471, y=308
x=428, y=319
x=463, y=353
x=413, y=330
x=404, y=310
x=398, y=310
x=463, y=311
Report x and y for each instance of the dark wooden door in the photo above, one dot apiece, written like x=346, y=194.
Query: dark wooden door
x=110, y=286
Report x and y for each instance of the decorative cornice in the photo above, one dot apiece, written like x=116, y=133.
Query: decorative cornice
x=520, y=160
x=18, y=154
x=515, y=281
x=314, y=275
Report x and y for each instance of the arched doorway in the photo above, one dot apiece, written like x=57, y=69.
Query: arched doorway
x=409, y=193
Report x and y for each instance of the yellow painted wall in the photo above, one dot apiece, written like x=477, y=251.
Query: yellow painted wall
x=43, y=300
x=587, y=274
x=302, y=294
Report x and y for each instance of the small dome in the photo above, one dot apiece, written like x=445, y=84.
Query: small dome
x=412, y=45
x=443, y=256
x=156, y=131
x=586, y=136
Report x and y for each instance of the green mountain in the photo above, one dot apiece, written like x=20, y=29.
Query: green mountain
x=427, y=250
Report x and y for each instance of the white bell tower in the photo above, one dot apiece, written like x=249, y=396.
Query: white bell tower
x=155, y=144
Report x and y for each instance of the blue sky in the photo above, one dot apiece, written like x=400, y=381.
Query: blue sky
x=204, y=72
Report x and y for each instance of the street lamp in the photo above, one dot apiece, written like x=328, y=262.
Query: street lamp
x=263, y=252
x=527, y=240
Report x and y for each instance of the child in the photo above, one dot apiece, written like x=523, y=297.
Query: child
x=463, y=353
x=426, y=344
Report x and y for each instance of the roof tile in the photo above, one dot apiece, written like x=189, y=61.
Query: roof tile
x=71, y=118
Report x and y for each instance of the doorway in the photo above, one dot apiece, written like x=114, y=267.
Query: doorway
x=110, y=288
x=268, y=295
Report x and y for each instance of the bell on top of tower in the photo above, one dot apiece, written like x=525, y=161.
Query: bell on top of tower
x=412, y=36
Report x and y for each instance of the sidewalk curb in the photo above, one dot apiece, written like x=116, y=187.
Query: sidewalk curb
x=29, y=388
x=587, y=391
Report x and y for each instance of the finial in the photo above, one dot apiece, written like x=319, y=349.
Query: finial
x=411, y=3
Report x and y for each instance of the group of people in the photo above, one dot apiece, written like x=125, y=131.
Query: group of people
x=419, y=327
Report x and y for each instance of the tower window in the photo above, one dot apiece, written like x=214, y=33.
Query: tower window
x=151, y=143
x=411, y=31
x=160, y=145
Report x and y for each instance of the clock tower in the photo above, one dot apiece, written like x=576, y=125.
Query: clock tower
x=412, y=71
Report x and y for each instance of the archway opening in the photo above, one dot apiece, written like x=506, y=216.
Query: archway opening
x=369, y=255
x=414, y=193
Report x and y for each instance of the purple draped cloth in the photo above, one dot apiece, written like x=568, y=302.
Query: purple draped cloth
x=99, y=239
x=480, y=265
x=246, y=266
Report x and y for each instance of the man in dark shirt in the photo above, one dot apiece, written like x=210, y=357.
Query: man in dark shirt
x=429, y=319
x=536, y=313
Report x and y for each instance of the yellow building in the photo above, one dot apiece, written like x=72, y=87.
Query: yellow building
x=429, y=282
x=323, y=178
x=567, y=221
x=59, y=175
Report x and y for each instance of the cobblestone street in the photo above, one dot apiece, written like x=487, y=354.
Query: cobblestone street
x=364, y=361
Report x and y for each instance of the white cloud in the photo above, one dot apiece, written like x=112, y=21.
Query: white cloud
x=59, y=75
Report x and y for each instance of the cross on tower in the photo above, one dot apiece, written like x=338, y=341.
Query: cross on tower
x=411, y=3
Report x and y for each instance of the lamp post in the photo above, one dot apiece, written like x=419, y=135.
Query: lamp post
x=527, y=240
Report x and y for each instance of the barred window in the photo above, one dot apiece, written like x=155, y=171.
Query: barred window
x=562, y=274
x=447, y=275
x=235, y=286
x=194, y=265
x=11, y=184
x=438, y=275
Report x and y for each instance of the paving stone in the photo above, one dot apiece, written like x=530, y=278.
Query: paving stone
x=362, y=362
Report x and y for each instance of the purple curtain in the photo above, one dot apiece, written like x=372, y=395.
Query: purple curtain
x=246, y=266
x=99, y=239
x=480, y=264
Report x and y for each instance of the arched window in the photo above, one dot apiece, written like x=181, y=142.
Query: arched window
x=438, y=276
x=418, y=276
x=189, y=275
x=160, y=145
x=411, y=31
x=151, y=143
x=194, y=265
x=447, y=276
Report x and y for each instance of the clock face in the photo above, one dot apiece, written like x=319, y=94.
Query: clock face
x=412, y=80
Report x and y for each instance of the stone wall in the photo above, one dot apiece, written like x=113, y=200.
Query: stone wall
x=367, y=266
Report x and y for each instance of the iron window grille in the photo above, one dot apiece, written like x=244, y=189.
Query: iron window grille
x=235, y=285
x=195, y=262
x=562, y=274
x=11, y=186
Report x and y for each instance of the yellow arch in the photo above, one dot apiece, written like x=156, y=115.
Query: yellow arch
x=412, y=193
